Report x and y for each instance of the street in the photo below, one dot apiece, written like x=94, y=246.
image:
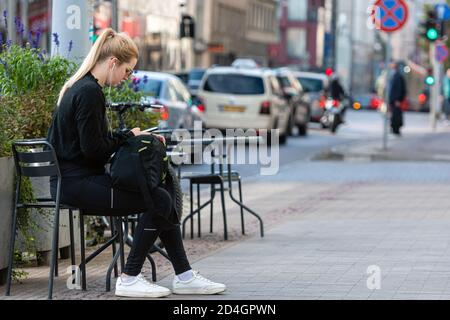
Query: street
x=360, y=126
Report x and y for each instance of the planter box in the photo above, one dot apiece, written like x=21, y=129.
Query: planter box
x=6, y=206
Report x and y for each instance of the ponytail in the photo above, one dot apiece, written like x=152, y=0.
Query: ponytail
x=109, y=43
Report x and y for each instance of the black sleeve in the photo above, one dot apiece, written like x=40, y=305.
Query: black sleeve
x=404, y=89
x=123, y=135
x=95, y=142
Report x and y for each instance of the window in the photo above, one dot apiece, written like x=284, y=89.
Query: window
x=234, y=84
x=311, y=85
x=181, y=91
x=296, y=42
x=171, y=93
x=275, y=86
x=284, y=81
x=150, y=87
x=297, y=9
x=196, y=74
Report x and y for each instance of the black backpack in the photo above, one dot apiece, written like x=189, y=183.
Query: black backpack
x=144, y=150
x=141, y=165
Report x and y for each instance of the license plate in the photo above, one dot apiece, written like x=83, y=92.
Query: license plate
x=230, y=108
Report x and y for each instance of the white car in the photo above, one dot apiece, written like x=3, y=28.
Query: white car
x=241, y=98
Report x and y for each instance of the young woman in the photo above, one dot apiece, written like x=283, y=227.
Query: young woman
x=84, y=141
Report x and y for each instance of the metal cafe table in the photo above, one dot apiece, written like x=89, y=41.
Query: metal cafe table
x=219, y=177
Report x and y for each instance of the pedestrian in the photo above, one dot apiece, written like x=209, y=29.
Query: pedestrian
x=446, y=93
x=84, y=141
x=397, y=94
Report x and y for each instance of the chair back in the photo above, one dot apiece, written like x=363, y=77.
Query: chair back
x=35, y=158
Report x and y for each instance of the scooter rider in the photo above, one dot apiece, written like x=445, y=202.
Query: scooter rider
x=336, y=90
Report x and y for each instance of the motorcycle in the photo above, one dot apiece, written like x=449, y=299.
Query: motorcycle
x=333, y=114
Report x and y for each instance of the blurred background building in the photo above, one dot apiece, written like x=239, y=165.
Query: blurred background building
x=303, y=34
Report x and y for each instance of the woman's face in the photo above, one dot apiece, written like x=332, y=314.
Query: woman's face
x=120, y=71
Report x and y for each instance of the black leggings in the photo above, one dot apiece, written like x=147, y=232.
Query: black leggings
x=95, y=193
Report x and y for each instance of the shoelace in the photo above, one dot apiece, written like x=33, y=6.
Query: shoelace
x=141, y=278
x=199, y=276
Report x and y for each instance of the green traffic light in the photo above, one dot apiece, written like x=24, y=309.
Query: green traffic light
x=429, y=80
x=432, y=34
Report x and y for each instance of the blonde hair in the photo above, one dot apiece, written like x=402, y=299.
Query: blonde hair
x=109, y=43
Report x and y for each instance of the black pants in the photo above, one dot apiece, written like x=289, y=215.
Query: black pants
x=95, y=194
x=396, y=118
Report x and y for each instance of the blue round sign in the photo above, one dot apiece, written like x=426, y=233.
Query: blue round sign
x=390, y=15
x=443, y=11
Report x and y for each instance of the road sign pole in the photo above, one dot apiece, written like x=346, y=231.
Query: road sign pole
x=386, y=93
x=435, y=105
x=389, y=16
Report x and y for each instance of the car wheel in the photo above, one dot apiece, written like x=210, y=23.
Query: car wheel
x=283, y=139
x=302, y=129
x=290, y=127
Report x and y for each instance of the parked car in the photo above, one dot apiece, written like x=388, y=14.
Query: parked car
x=293, y=91
x=183, y=75
x=194, y=78
x=244, y=98
x=315, y=87
x=424, y=100
x=367, y=101
x=168, y=90
x=245, y=63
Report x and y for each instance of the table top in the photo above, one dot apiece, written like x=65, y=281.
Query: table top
x=251, y=139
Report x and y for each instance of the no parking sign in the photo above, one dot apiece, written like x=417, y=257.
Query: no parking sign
x=390, y=15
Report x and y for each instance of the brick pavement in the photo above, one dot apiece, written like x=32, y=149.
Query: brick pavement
x=326, y=223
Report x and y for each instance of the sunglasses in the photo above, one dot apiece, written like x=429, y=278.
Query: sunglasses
x=129, y=72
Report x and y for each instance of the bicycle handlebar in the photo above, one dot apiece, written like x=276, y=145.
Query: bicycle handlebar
x=123, y=106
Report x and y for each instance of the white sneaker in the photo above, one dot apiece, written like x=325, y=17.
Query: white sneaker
x=197, y=285
x=140, y=288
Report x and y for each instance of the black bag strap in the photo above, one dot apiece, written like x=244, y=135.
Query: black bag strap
x=162, y=221
x=142, y=182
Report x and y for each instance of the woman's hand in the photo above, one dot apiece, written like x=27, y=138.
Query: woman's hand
x=160, y=137
x=138, y=132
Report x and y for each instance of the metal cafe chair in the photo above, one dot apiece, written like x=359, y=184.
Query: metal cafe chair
x=37, y=158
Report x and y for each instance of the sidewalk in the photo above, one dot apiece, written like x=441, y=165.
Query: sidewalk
x=326, y=223
x=416, y=144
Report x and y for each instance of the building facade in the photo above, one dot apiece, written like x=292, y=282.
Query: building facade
x=301, y=34
x=224, y=29
x=228, y=29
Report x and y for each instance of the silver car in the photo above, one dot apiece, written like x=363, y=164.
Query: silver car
x=315, y=86
x=169, y=91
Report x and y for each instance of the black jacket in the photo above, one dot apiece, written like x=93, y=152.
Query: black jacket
x=79, y=131
x=336, y=90
x=397, y=90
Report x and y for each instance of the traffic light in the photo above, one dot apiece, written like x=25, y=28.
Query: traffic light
x=429, y=79
x=187, y=27
x=430, y=28
x=93, y=32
